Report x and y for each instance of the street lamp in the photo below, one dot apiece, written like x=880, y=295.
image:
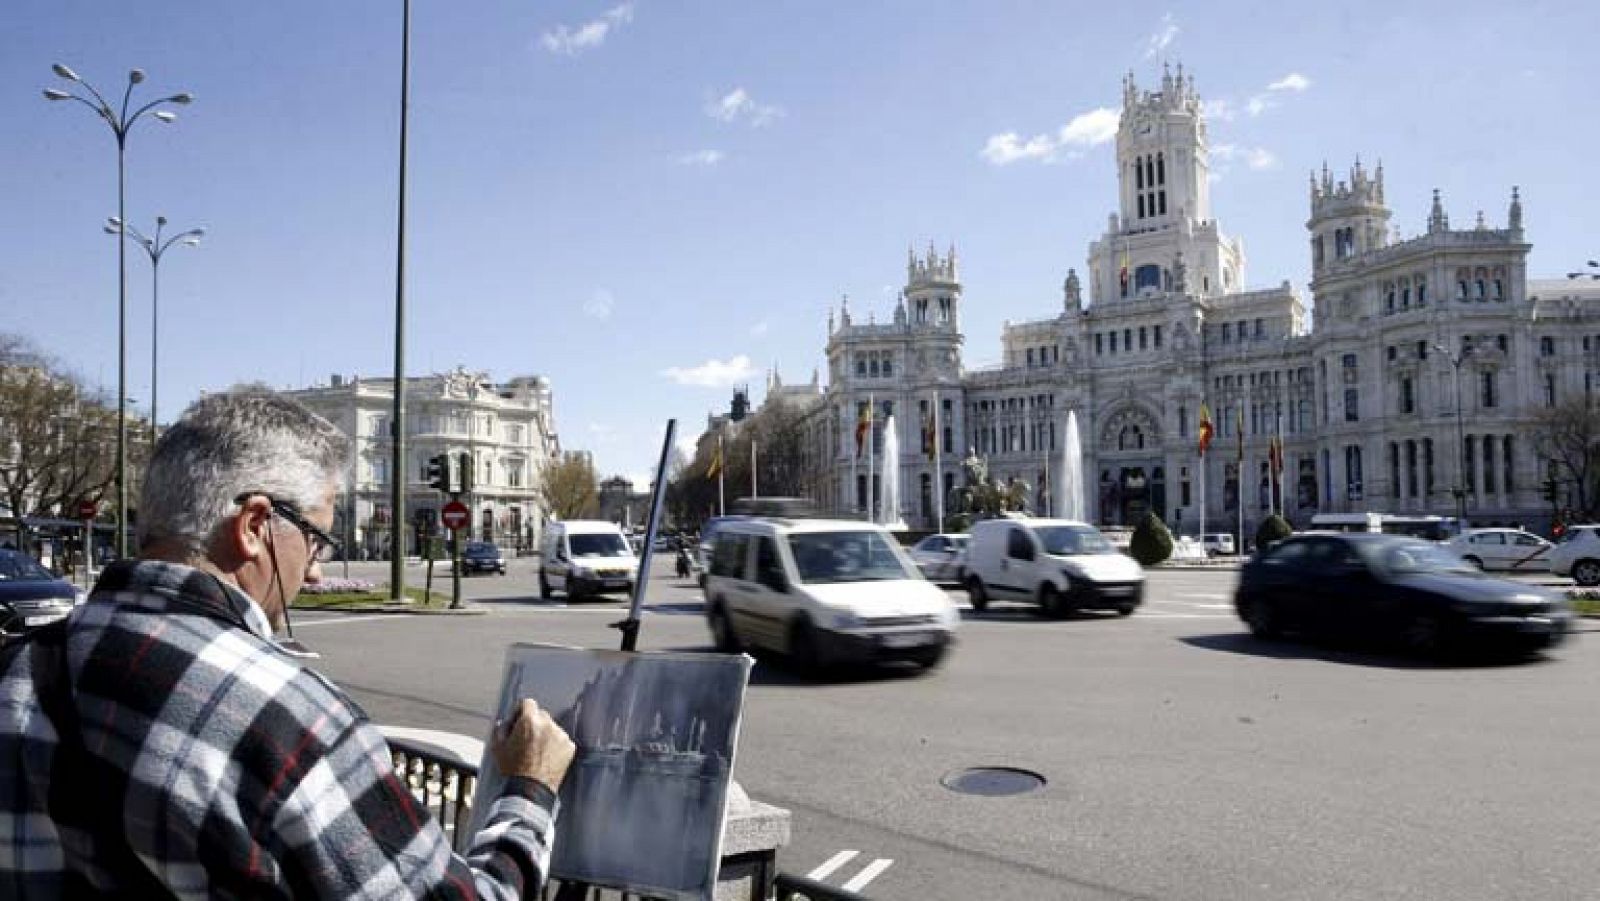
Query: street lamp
x=1591, y=271
x=1455, y=361
x=154, y=247
x=121, y=122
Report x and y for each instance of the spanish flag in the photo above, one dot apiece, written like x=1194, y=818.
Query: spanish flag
x=929, y=436
x=1207, y=429
x=1124, y=275
x=716, y=461
x=1275, y=454
x=863, y=423
x=1239, y=422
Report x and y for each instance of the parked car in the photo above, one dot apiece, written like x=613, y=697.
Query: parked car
x=1578, y=554
x=1392, y=586
x=1059, y=564
x=30, y=595
x=942, y=558
x=824, y=592
x=1218, y=544
x=584, y=558
x=1512, y=550
x=482, y=557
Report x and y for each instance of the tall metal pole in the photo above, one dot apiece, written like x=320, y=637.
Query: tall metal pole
x=122, y=352
x=397, y=424
x=1461, y=444
x=938, y=466
x=155, y=337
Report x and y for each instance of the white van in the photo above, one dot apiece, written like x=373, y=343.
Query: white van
x=585, y=557
x=1059, y=564
x=823, y=592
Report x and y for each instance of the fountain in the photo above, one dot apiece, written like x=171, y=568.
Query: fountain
x=1069, y=497
x=890, y=477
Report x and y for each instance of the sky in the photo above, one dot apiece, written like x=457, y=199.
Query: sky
x=651, y=202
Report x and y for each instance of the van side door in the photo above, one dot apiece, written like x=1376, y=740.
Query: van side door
x=1016, y=567
x=771, y=599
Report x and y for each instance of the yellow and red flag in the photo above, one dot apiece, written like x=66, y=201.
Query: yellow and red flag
x=1207, y=429
x=863, y=423
x=716, y=461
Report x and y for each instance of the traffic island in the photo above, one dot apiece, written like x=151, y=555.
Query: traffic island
x=358, y=596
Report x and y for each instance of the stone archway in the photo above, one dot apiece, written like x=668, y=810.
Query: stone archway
x=1131, y=474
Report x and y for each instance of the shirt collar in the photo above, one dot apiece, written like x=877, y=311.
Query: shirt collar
x=178, y=588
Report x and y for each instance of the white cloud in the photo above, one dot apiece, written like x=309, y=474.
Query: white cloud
x=1259, y=104
x=760, y=329
x=712, y=373
x=599, y=305
x=737, y=104
x=1294, y=81
x=1220, y=110
x=1089, y=129
x=589, y=35
x=1260, y=158
x=1162, y=38
x=1254, y=157
x=701, y=158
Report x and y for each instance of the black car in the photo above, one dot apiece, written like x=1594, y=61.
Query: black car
x=482, y=557
x=1363, y=585
x=30, y=596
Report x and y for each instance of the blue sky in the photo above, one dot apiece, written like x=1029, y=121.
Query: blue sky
x=649, y=200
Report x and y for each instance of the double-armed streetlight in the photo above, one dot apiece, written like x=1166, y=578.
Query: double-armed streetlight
x=154, y=247
x=121, y=122
x=1455, y=361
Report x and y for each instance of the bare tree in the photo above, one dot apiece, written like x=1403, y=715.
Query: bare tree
x=571, y=487
x=1569, y=437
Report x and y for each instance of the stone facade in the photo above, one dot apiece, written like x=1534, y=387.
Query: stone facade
x=508, y=430
x=1362, y=391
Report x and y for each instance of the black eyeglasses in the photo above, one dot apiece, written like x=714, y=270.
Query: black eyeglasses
x=320, y=544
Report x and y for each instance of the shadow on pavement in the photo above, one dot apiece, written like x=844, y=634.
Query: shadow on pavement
x=774, y=669
x=1029, y=613
x=1353, y=654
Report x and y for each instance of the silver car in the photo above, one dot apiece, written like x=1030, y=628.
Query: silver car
x=942, y=558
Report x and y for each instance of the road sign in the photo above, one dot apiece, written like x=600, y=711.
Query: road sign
x=455, y=515
x=88, y=509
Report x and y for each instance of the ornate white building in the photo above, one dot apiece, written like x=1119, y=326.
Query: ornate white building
x=1365, y=397
x=507, y=430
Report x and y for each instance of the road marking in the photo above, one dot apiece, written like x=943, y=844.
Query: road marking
x=354, y=619
x=833, y=863
x=1205, y=597
x=872, y=872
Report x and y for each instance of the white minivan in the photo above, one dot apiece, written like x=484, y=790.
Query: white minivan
x=586, y=557
x=1059, y=564
x=823, y=592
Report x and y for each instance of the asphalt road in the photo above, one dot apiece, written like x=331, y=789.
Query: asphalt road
x=1183, y=759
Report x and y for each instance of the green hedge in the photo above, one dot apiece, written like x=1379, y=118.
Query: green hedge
x=1151, y=542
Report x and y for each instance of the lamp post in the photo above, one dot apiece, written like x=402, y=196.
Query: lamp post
x=121, y=122
x=1455, y=361
x=154, y=247
x=397, y=422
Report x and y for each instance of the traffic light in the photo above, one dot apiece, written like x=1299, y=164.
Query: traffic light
x=439, y=472
x=466, y=473
x=1550, y=490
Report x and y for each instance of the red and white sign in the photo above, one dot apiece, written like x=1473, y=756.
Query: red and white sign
x=455, y=515
x=88, y=509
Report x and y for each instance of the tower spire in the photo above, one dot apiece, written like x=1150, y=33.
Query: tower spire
x=1514, y=218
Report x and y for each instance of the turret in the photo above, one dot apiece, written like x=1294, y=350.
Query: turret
x=932, y=294
x=1348, y=218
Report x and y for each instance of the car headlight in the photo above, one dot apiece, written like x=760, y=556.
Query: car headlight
x=950, y=616
x=845, y=620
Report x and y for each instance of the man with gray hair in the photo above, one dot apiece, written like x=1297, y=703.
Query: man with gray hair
x=159, y=743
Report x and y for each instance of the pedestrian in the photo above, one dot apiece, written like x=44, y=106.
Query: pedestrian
x=159, y=743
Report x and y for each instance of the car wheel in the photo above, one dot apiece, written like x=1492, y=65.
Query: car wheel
x=977, y=594
x=803, y=648
x=1126, y=609
x=722, y=634
x=1260, y=618
x=1586, y=572
x=544, y=587
x=1051, y=603
x=1474, y=561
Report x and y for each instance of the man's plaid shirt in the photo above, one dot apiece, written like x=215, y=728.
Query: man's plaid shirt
x=204, y=762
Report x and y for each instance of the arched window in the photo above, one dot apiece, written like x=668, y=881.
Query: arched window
x=1147, y=276
x=1422, y=292
x=1149, y=171
x=1499, y=290
x=1141, y=206
x=1138, y=175
x=1461, y=289
x=1388, y=298
x=1162, y=196
x=1478, y=290
x=1161, y=170
x=1405, y=295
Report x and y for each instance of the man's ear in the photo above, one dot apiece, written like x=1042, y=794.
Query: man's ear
x=246, y=533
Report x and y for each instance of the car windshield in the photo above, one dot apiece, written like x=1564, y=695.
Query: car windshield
x=958, y=542
x=1410, y=557
x=484, y=550
x=863, y=556
x=1069, y=541
x=17, y=568
x=599, y=544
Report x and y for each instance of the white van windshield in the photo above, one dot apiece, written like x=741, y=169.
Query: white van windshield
x=864, y=556
x=1070, y=541
x=599, y=544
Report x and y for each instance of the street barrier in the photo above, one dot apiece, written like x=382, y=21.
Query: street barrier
x=444, y=782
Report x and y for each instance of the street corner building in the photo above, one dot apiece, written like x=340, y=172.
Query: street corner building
x=507, y=431
x=1163, y=321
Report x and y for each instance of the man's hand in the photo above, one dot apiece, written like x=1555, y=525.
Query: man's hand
x=530, y=744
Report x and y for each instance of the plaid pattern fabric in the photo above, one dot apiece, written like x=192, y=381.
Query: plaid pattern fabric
x=184, y=755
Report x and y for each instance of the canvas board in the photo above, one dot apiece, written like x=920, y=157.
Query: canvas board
x=643, y=803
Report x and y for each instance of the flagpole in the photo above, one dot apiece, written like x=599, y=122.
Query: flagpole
x=754, y=493
x=872, y=457
x=722, y=507
x=855, y=463
x=938, y=467
x=1238, y=477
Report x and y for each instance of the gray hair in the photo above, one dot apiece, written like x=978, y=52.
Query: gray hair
x=229, y=444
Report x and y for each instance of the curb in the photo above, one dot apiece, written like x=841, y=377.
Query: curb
x=397, y=609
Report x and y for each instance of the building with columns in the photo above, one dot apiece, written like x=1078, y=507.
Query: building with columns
x=1360, y=381
x=506, y=430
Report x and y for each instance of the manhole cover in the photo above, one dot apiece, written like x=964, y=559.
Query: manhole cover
x=993, y=781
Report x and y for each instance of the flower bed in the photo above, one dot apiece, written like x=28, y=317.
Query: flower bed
x=340, y=586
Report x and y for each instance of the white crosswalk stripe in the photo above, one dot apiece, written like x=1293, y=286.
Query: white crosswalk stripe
x=831, y=864
x=873, y=871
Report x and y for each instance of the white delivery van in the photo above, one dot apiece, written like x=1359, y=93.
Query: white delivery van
x=585, y=557
x=1059, y=564
x=823, y=592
